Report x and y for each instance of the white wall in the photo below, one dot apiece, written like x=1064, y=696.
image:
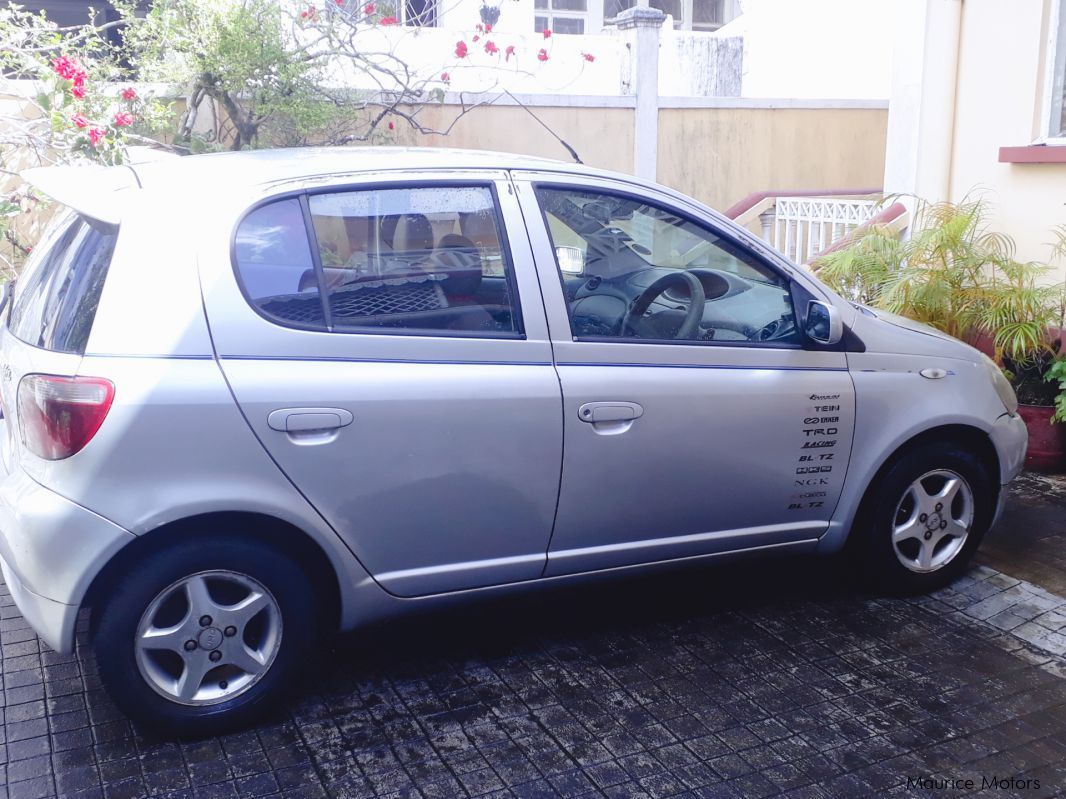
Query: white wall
x=816, y=49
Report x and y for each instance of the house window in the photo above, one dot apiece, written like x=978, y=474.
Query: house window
x=1056, y=128
x=695, y=15
x=416, y=13
x=560, y=16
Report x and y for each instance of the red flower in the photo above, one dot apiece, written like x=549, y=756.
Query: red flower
x=392, y=125
x=542, y=55
x=476, y=37
x=390, y=21
x=79, y=121
x=461, y=49
x=479, y=28
x=78, y=90
x=369, y=9
x=65, y=67
x=588, y=57
x=95, y=136
x=547, y=33
x=308, y=13
x=491, y=48
x=509, y=52
x=444, y=76
x=488, y=28
x=129, y=94
x=123, y=119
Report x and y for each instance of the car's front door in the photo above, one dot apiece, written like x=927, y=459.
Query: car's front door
x=692, y=425
x=387, y=344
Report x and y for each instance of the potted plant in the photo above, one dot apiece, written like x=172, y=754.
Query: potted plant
x=957, y=276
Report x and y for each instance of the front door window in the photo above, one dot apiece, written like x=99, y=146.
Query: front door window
x=637, y=271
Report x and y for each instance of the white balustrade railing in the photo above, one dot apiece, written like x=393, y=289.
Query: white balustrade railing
x=802, y=227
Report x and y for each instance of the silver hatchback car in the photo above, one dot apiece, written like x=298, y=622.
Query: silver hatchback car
x=252, y=398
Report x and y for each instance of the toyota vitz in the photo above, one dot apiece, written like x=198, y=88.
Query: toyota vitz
x=252, y=398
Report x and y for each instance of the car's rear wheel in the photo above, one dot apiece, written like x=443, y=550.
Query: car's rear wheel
x=924, y=519
x=205, y=636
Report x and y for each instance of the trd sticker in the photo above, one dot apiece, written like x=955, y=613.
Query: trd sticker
x=820, y=431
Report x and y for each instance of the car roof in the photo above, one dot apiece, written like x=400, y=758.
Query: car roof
x=101, y=192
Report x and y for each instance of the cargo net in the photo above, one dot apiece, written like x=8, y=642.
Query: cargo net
x=380, y=298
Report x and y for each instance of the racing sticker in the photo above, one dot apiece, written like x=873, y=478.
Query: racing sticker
x=813, y=473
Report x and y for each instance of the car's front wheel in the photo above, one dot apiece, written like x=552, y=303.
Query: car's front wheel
x=924, y=519
x=204, y=636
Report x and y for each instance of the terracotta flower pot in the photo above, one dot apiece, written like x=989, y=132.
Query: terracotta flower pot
x=1047, y=441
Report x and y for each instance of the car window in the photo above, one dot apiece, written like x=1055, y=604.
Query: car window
x=420, y=259
x=55, y=304
x=637, y=270
x=274, y=260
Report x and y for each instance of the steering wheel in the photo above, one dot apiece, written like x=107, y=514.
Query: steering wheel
x=634, y=317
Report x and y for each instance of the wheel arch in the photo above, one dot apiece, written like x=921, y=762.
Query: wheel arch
x=971, y=438
x=284, y=536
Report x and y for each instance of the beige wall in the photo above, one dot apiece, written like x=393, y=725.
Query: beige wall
x=718, y=155
x=999, y=94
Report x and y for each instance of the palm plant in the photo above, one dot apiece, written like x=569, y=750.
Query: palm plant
x=956, y=275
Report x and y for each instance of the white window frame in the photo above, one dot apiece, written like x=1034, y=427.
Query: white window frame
x=593, y=22
x=1054, y=72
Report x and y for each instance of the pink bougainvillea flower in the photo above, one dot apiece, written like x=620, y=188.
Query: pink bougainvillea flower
x=488, y=28
x=547, y=33
x=479, y=28
x=509, y=52
x=444, y=76
x=390, y=21
x=96, y=136
x=79, y=121
x=78, y=90
x=65, y=67
x=308, y=13
x=392, y=125
x=129, y=94
x=123, y=119
x=491, y=48
x=542, y=55
x=476, y=38
x=461, y=49
x=369, y=9
x=588, y=57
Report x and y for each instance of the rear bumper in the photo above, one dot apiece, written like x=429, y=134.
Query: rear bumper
x=50, y=551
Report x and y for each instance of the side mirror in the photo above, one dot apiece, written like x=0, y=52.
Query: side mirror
x=822, y=323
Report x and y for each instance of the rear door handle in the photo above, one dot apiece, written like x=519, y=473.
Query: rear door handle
x=304, y=420
x=617, y=411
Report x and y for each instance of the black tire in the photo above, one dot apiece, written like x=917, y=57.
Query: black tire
x=870, y=544
x=116, y=619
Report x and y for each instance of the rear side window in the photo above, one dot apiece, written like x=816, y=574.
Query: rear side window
x=403, y=260
x=56, y=301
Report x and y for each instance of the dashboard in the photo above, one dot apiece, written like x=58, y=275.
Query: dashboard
x=735, y=308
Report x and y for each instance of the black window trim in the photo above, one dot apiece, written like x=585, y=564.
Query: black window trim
x=304, y=195
x=631, y=194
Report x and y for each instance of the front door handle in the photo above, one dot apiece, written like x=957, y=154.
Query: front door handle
x=617, y=411
x=306, y=420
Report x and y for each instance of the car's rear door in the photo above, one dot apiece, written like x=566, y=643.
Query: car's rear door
x=387, y=343
x=735, y=437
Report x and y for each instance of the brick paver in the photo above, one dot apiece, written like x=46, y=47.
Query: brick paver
x=752, y=681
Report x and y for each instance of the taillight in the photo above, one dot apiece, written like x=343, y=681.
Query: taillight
x=58, y=416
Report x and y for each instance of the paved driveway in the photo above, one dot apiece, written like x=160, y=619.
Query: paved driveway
x=746, y=681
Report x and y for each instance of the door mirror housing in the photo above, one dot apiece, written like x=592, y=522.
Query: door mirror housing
x=822, y=323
